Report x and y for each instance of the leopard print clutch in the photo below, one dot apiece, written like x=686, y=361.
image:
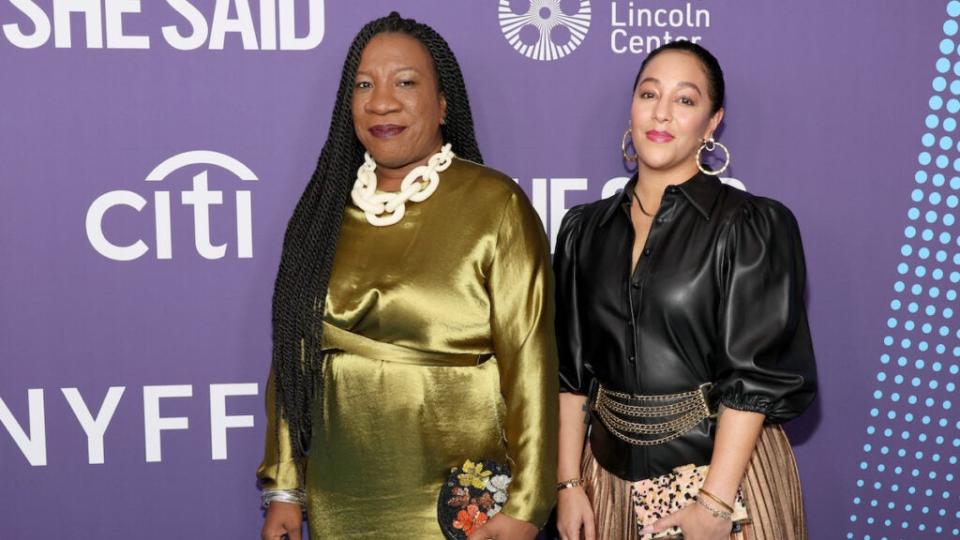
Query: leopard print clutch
x=656, y=498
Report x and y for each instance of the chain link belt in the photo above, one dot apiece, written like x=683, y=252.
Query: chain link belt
x=623, y=414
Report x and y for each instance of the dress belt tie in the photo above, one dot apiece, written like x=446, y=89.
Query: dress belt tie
x=338, y=339
x=628, y=416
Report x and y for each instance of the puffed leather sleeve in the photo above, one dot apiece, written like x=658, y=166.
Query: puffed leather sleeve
x=765, y=362
x=575, y=372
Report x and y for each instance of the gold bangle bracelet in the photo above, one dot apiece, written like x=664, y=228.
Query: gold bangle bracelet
x=575, y=482
x=717, y=500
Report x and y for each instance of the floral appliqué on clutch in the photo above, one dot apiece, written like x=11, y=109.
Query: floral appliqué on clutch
x=472, y=494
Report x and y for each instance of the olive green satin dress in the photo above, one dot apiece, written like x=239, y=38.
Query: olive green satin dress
x=439, y=348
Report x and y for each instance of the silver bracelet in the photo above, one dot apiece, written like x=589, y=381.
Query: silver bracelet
x=717, y=513
x=293, y=496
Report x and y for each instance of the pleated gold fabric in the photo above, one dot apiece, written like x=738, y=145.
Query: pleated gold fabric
x=412, y=309
x=771, y=490
x=610, y=498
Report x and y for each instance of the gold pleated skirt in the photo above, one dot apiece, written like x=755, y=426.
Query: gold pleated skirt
x=391, y=431
x=771, y=491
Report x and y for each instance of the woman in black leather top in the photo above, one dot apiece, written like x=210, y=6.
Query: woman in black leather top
x=686, y=293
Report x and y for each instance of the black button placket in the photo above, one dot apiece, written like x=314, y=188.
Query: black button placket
x=630, y=284
x=639, y=277
x=635, y=289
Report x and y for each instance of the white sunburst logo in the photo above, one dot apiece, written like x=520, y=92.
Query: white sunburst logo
x=545, y=16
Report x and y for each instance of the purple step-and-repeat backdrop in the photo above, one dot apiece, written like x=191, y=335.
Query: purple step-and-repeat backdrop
x=152, y=151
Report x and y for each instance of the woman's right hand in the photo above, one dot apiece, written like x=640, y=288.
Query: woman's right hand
x=574, y=514
x=282, y=519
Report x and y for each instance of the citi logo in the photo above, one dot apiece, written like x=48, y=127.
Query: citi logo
x=200, y=197
x=554, y=34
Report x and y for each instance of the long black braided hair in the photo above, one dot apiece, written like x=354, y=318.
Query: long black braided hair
x=310, y=242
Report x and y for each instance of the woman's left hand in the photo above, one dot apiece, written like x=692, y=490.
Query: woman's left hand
x=696, y=522
x=504, y=527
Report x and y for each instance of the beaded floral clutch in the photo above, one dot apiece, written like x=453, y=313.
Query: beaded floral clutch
x=472, y=494
x=655, y=498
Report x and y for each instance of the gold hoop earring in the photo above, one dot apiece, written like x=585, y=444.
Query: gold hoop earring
x=623, y=147
x=710, y=145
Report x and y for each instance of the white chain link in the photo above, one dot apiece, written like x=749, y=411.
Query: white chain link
x=383, y=209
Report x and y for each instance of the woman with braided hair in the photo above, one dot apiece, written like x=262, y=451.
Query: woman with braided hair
x=412, y=314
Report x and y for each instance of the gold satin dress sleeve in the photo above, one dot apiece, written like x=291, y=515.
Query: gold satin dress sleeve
x=439, y=347
x=278, y=470
x=522, y=298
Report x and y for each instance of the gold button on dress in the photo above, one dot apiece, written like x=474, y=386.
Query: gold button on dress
x=439, y=347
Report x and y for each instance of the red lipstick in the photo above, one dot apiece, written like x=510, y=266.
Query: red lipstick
x=385, y=131
x=659, y=136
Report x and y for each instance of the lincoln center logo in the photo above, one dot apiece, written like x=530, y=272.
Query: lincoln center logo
x=553, y=33
x=200, y=197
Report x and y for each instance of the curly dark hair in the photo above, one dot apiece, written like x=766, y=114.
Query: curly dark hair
x=310, y=241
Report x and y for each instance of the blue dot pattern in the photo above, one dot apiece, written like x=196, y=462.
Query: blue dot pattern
x=906, y=477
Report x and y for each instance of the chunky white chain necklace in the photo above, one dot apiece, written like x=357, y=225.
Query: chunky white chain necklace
x=383, y=209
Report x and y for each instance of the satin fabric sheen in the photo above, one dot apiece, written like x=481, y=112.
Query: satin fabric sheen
x=717, y=296
x=464, y=273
